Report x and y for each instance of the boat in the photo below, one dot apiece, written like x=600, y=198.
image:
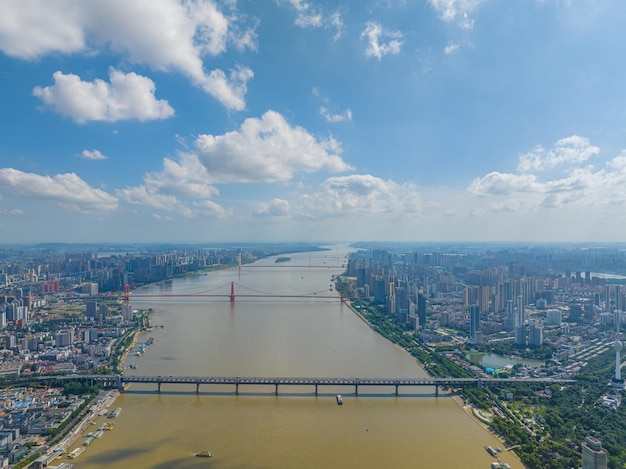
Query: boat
x=88, y=441
x=109, y=426
x=339, y=399
x=203, y=454
x=114, y=413
x=98, y=434
x=75, y=453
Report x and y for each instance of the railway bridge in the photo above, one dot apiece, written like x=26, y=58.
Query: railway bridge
x=317, y=382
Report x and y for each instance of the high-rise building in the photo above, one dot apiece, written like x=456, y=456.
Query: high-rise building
x=520, y=328
x=63, y=338
x=618, y=381
x=421, y=309
x=509, y=321
x=91, y=309
x=127, y=312
x=475, y=333
x=594, y=456
x=535, y=334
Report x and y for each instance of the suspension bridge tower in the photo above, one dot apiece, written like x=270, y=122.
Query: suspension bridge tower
x=232, y=292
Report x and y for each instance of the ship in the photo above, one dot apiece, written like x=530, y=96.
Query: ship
x=339, y=399
x=109, y=426
x=491, y=451
x=114, y=413
x=203, y=454
x=75, y=453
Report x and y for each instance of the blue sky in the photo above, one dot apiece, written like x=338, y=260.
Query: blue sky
x=287, y=120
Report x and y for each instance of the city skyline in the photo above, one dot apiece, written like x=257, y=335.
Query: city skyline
x=191, y=121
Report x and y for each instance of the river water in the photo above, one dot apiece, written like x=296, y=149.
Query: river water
x=297, y=337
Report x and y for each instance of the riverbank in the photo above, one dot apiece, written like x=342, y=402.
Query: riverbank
x=104, y=401
x=474, y=414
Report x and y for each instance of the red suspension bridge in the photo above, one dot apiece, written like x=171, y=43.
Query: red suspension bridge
x=222, y=292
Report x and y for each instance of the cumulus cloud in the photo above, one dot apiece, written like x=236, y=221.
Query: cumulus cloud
x=211, y=209
x=92, y=155
x=359, y=194
x=575, y=185
x=65, y=190
x=231, y=90
x=187, y=177
x=268, y=149
x=142, y=195
x=381, y=42
x=30, y=29
x=570, y=150
x=456, y=10
x=128, y=96
x=169, y=188
x=273, y=208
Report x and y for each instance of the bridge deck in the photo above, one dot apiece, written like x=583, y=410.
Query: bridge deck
x=328, y=381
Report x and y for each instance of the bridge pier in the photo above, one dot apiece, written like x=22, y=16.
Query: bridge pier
x=159, y=387
x=356, y=389
x=397, y=386
x=436, y=390
x=197, y=388
x=276, y=392
x=236, y=389
x=316, y=390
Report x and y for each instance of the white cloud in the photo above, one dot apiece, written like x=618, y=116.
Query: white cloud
x=266, y=150
x=570, y=150
x=66, y=190
x=456, y=10
x=359, y=194
x=273, y=208
x=451, y=48
x=308, y=15
x=128, y=96
x=579, y=186
x=211, y=209
x=504, y=183
x=167, y=35
x=32, y=28
x=92, y=155
x=142, y=195
x=375, y=35
x=230, y=91
x=335, y=117
x=312, y=16
x=187, y=177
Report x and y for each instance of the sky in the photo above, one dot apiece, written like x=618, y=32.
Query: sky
x=312, y=120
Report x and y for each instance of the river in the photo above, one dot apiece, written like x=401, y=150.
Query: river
x=279, y=337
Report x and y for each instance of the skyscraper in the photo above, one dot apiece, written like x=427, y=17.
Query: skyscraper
x=476, y=336
x=520, y=328
x=594, y=456
x=618, y=381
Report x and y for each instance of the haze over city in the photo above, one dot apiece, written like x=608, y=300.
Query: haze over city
x=452, y=120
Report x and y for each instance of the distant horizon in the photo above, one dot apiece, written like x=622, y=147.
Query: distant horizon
x=599, y=244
